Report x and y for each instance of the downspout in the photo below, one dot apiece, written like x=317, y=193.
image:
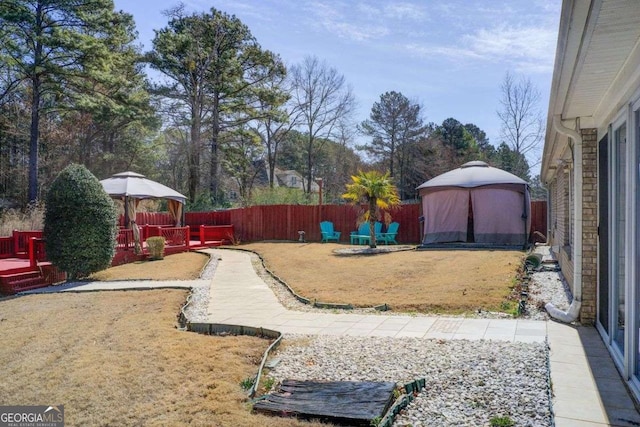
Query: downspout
x=525, y=216
x=574, y=309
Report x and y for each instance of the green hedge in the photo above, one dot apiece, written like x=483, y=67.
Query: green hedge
x=80, y=225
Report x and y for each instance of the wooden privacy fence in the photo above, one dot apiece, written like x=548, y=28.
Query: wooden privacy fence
x=282, y=222
x=538, y=221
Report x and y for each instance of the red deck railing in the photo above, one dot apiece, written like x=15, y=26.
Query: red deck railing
x=21, y=242
x=21, y=276
x=6, y=247
x=25, y=245
x=174, y=236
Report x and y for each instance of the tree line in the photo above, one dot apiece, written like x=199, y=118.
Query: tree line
x=207, y=110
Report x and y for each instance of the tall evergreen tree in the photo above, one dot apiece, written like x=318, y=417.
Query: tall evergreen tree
x=61, y=50
x=242, y=158
x=452, y=134
x=511, y=161
x=394, y=124
x=214, y=69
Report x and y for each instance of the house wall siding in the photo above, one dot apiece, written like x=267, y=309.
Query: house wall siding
x=589, y=225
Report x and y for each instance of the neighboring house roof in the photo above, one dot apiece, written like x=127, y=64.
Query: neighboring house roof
x=293, y=179
x=597, y=67
x=473, y=174
x=283, y=178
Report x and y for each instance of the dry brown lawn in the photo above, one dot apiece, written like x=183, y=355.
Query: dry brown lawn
x=117, y=359
x=451, y=281
x=183, y=266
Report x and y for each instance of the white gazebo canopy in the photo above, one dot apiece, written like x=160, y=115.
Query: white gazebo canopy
x=132, y=187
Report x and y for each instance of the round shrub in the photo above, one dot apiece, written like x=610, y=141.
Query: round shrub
x=80, y=223
x=155, y=246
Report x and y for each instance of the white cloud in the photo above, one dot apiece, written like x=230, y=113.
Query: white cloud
x=366, y=21
x=527, y=49
x=357, y=32
x=530, y=48
x=368, y=11
x=403, y=10
x=447, y=51
x=531, y=42
x=348, y=26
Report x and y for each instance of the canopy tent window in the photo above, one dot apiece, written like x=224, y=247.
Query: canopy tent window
x=445, y=216
x=131, y=187
x=498, y=216
x=477, y=204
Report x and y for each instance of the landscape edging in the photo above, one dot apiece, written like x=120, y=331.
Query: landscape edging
x=304, y=300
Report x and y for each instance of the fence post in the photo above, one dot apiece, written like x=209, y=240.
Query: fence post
x=187, y=236
x=32, y=252
x=16, y=244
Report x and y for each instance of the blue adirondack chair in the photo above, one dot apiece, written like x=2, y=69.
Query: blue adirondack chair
x=328, y=233
x=362, y=236
x=390, y=235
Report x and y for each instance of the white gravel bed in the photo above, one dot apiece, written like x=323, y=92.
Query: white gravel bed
x=547, y=286
x=196, y=310
x=467, y=382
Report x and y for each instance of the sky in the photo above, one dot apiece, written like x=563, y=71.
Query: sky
x=450, y=56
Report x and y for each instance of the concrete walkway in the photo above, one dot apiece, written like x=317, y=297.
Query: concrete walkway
x=240, y=297
x=588, y=390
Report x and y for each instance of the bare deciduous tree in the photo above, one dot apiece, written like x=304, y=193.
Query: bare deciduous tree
x=520, y=117
x=324, y=99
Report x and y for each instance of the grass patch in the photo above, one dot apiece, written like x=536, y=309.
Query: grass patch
x=116, y=358
x=182, y=266
x=452, y=281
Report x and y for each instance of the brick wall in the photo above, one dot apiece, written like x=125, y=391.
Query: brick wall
x=563, y=205
x=561, y=228
x=589, y=225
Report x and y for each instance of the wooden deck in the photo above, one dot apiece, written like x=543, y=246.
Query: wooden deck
x=24, y=264
x=14, y=265
x=18, y=274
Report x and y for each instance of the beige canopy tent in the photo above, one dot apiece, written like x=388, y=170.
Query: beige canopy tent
x=132, y=187
x=477, y=204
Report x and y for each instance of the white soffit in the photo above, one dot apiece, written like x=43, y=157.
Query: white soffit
x=606, y=65
x=597, y=68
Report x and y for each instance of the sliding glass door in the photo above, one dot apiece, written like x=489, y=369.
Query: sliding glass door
x=603, y=236
x=618, y=276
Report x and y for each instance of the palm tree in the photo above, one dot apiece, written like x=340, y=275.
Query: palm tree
x=375, y=189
